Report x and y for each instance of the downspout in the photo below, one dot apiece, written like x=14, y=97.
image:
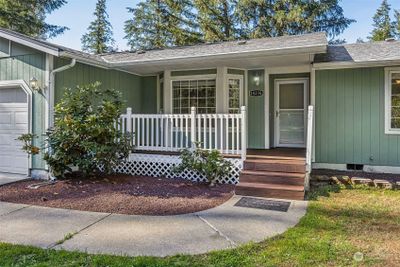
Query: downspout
x=51, y=96
x=51, y=86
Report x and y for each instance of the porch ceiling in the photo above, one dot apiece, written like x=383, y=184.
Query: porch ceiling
x=237, y=61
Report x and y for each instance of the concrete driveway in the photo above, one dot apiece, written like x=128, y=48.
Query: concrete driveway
x=223, y=227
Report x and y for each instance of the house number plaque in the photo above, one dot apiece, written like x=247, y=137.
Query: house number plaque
x=256, y=93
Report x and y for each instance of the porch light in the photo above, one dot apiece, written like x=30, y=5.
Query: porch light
x=34, y=83
x=257, y=79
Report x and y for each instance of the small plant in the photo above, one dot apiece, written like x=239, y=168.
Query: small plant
x=211, y=164
x=27, y=139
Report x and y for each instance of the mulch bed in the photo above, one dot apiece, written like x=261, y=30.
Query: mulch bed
x=121, y=194
x=374, y=176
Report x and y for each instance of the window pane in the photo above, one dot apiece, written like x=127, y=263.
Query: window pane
x=291, y=96
x=194, y=93
x=395, y=99
x=234, y=95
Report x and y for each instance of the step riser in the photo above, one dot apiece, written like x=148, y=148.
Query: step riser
x=274, y=167
x=269, y=193
x=265, y=179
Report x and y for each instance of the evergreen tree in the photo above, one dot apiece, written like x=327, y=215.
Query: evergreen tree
x=28, y=17
x=397, y=23
x=99, y=38
x=162, y=23
x=288, y=17
x=383, y=27
x=217, y=19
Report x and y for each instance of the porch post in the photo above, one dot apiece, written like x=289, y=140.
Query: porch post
x=129, y=124
x=244, y=133
x=193, y=126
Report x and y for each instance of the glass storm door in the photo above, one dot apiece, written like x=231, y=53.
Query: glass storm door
x=290, y=112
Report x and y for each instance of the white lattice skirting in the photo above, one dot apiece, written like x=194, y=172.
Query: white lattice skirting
x=160, y=166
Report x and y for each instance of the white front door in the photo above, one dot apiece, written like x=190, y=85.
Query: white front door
x=13, y=123
x=291, y=99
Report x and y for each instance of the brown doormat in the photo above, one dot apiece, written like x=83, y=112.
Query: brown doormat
x=264, y=204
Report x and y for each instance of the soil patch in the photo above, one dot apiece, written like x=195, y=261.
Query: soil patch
x=121, y=194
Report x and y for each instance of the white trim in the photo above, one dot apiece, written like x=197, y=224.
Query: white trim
x=312, y=101
x=45, y=49
x=367, y=168
x=306, y=68
x=352, y=64
x=305, y=82
x=388, y=96
x=266, y=109
x=24, y=86
x=329, y=166
x=167, y=92
x=226, y=90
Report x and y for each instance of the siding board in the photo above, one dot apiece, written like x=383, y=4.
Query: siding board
x=350, y=103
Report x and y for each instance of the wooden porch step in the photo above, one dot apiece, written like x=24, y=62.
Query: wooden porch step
x=262, y=177
x=283, y=191
x=275, y=165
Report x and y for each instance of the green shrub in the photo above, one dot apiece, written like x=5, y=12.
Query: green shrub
x=28, y=147
x=84, y=133
x=211, y=164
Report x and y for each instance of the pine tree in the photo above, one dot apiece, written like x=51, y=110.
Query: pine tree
x=397, y=23
x=288, y=17
x=383, y=27
x=162, y=23
x=99, y=38
x=28, y=17
x=217, y=19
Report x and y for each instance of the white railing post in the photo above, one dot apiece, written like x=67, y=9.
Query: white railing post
x=310, y=127
x=244, y=133
x=129, y=122
x=193, y=126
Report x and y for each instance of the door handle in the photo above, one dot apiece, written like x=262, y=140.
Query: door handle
x=277, y=113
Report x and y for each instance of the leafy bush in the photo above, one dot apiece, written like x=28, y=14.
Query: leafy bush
x=211, y=164
x=28, y=147
x=84, y=133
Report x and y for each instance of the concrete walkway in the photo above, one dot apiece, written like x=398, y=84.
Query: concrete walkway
x=223, y=227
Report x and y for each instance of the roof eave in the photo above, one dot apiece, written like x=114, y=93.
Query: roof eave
x=29, y=43
x=265, y=52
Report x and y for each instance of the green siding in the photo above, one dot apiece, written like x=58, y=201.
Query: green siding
x=138, y=92
x=24, y=67
x=256, y=122
x=272, y=79
x=349, y=115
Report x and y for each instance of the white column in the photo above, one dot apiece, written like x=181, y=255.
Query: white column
x=193, y=126
x=167, y=93
x=266, y=109
x=221, y=89
x=244, y=132
x=312, y=99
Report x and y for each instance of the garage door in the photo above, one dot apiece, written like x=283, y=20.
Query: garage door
x=13, y=123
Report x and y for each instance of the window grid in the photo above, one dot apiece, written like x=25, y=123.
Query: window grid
x=233, y=95
x=395, y=100
x=194, y=93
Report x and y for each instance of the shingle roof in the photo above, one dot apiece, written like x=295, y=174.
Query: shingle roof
x=222, y=48
x=361, y=52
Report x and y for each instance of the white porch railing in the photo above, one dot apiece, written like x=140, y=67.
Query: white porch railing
x=309, y=144
x=173, y=132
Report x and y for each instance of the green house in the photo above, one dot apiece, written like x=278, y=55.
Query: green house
x=336, y=106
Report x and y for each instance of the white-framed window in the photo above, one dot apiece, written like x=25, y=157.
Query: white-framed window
x=199, y=92
x=234, y=93
x=392, y=100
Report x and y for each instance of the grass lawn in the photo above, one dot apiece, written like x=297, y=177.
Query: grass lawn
x=334, y=229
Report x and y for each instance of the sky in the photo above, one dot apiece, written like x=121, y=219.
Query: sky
x=77, y=15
